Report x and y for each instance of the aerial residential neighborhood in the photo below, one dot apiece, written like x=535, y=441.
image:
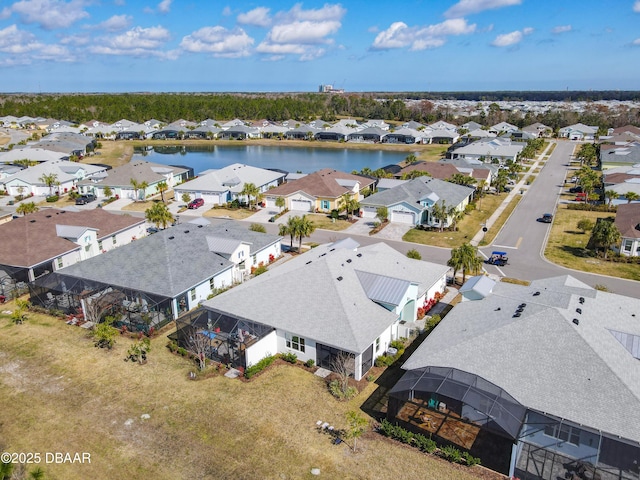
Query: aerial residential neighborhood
x=376, y=283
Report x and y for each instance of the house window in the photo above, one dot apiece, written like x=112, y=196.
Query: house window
x=113, y=239
x=100, y=245
x=87, y=248
x=627, y=245
x=294, y=342
x=377, y=344
x=255, y=259
x=193, y=294
x=60, y=262
x=325, y=204
x=564, y=433
x=212, y=285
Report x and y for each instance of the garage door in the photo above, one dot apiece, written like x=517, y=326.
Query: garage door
x=402, y=217
x=270, y=203
x=302, y=205
x=369, y=212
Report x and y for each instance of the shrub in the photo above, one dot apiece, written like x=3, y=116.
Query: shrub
x=182, y=351
x=289, y=357
x=451, y=453
x=52, y=198
x=470, y=460
x=258, y=367
x=259, y=270
x=413, y=253
x=424, y=444
x=309, y=363
x=172, y=346
x=433, y=321
x=384, y=361
x=256, y=227
x=397, y=344
x=335, y=387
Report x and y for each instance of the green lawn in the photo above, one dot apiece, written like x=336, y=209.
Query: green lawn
x=467, y=228
x=234, y=213
x=326, y=223
x=567, y=246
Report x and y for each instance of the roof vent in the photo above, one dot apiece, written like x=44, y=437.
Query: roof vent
x=348, y=260
x=48, y=216
x=340, y=279
x=200, y=226
x=535, y=294
x=308, y=262
x=171, y=237
x=579, y=310
x=186, y=231
x=576, y=321
x=522, y=305
x=581, y=300
x=497, y=309
x=359, y=255
x=515, y=315
x=332, y=249
x=32, y=221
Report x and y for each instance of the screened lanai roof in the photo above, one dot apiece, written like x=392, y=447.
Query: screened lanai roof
x=473, y=390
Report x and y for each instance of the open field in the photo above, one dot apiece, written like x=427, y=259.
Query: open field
x=61, y=394
x=115, y=153
x=467, y=228
x=566, y=246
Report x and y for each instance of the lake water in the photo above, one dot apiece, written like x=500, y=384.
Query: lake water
x=289, y=159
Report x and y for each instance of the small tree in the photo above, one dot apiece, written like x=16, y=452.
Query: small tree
x=108, y=192
x=413, y=253
x=584, y=225
x=342, y=365
x=139, y=350
x=382, y=213
x=256, y=227
x=186, y=198
x=280, y=203
x=356, y=426
x=199, y=345
x=159, y=215
x=26, y=208
x=162, y=187
x=105, y=333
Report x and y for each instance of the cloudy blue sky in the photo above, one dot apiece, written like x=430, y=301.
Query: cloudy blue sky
x=279, y=46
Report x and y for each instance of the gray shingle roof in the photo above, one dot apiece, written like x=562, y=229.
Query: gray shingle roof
x=320, y=295
x=579, y=372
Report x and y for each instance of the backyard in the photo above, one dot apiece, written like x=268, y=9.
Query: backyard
x=61, y=394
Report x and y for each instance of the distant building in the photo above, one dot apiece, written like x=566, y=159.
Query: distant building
x=330, y=89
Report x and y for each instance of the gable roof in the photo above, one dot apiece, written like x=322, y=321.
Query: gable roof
x=413, y=191
x=542, y=357
x=169, y=262
x=232, y=177
x=323, y=294
x=323, y=183
x=139, y=170
x=34, y=239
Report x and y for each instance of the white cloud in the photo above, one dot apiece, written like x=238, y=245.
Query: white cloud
x=400, y=35
x=5, y=13
x=26, y=48
x=561, y=29
x=50, y=14
x=303, y=32
x=54, y=52
x=13, y=40
x=513, y=38
x=219, y=41
x=76, y=40
x=135, y=42
x=164, y=6
x=115, y=23
x=258, y=17
x=636, y=6
x=468, y=7
x=636, y=42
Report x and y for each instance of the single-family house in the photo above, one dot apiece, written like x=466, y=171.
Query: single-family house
x=336, y=300
x=539, y=130
x=612, y=156
x=441, y=135
x=490, y=150
x=370, y=134
x=174, y=271
x=406, y=135
x=301, y=132
x=119, y=179
x=502, y=128
x=628, y=223
x=335, y=133
x=32, y=154
x=50, y=239
x=319, y=191
x=218, y=187
x=540, y=381
x=239, y=132
x=578, y=131
x=30, y=181
x=412, y=202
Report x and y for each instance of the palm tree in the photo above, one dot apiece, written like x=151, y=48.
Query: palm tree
x=292, y=228
x=136, y=186
x=280, y=203
x=143, y=186
x=455, y=261
x=631, y=196
x=26, y=208
x=462, y=179
x=610, y=195
x=305, y=228
x=439, y=213
x=455, y=215
x=469, y=259
x=159, y=214
x=250, y=190
x=604, y=234
x=162, y=187
x=482, y=184
x=283, y=231
x=49, y=180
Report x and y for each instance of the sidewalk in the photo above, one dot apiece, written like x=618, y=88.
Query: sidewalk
x=518, y=187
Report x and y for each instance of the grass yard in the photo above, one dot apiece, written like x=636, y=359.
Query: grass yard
x=326, y=223
x=566, y=246
x=61, y=394
x=467, y=228
x=63, y=202
x=4, y=138
x=112, y=153
x=233, y=213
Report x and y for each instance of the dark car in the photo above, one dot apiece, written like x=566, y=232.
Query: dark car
x=499, y=259
x=197, y=203
x=577, y=189
x=272, y=219
x=84, y=199
x=546, y=218
x=152, y=230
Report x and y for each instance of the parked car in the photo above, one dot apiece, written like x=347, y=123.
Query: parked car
x=272, y=219
x=84, y=199
x=152, y=230
x=574, y=179
x=498, y=258
x=546, y=218
x=581, y=197
x=577, y=189
x=197, y=203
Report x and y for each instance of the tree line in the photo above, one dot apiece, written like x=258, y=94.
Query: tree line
x=169, y=107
